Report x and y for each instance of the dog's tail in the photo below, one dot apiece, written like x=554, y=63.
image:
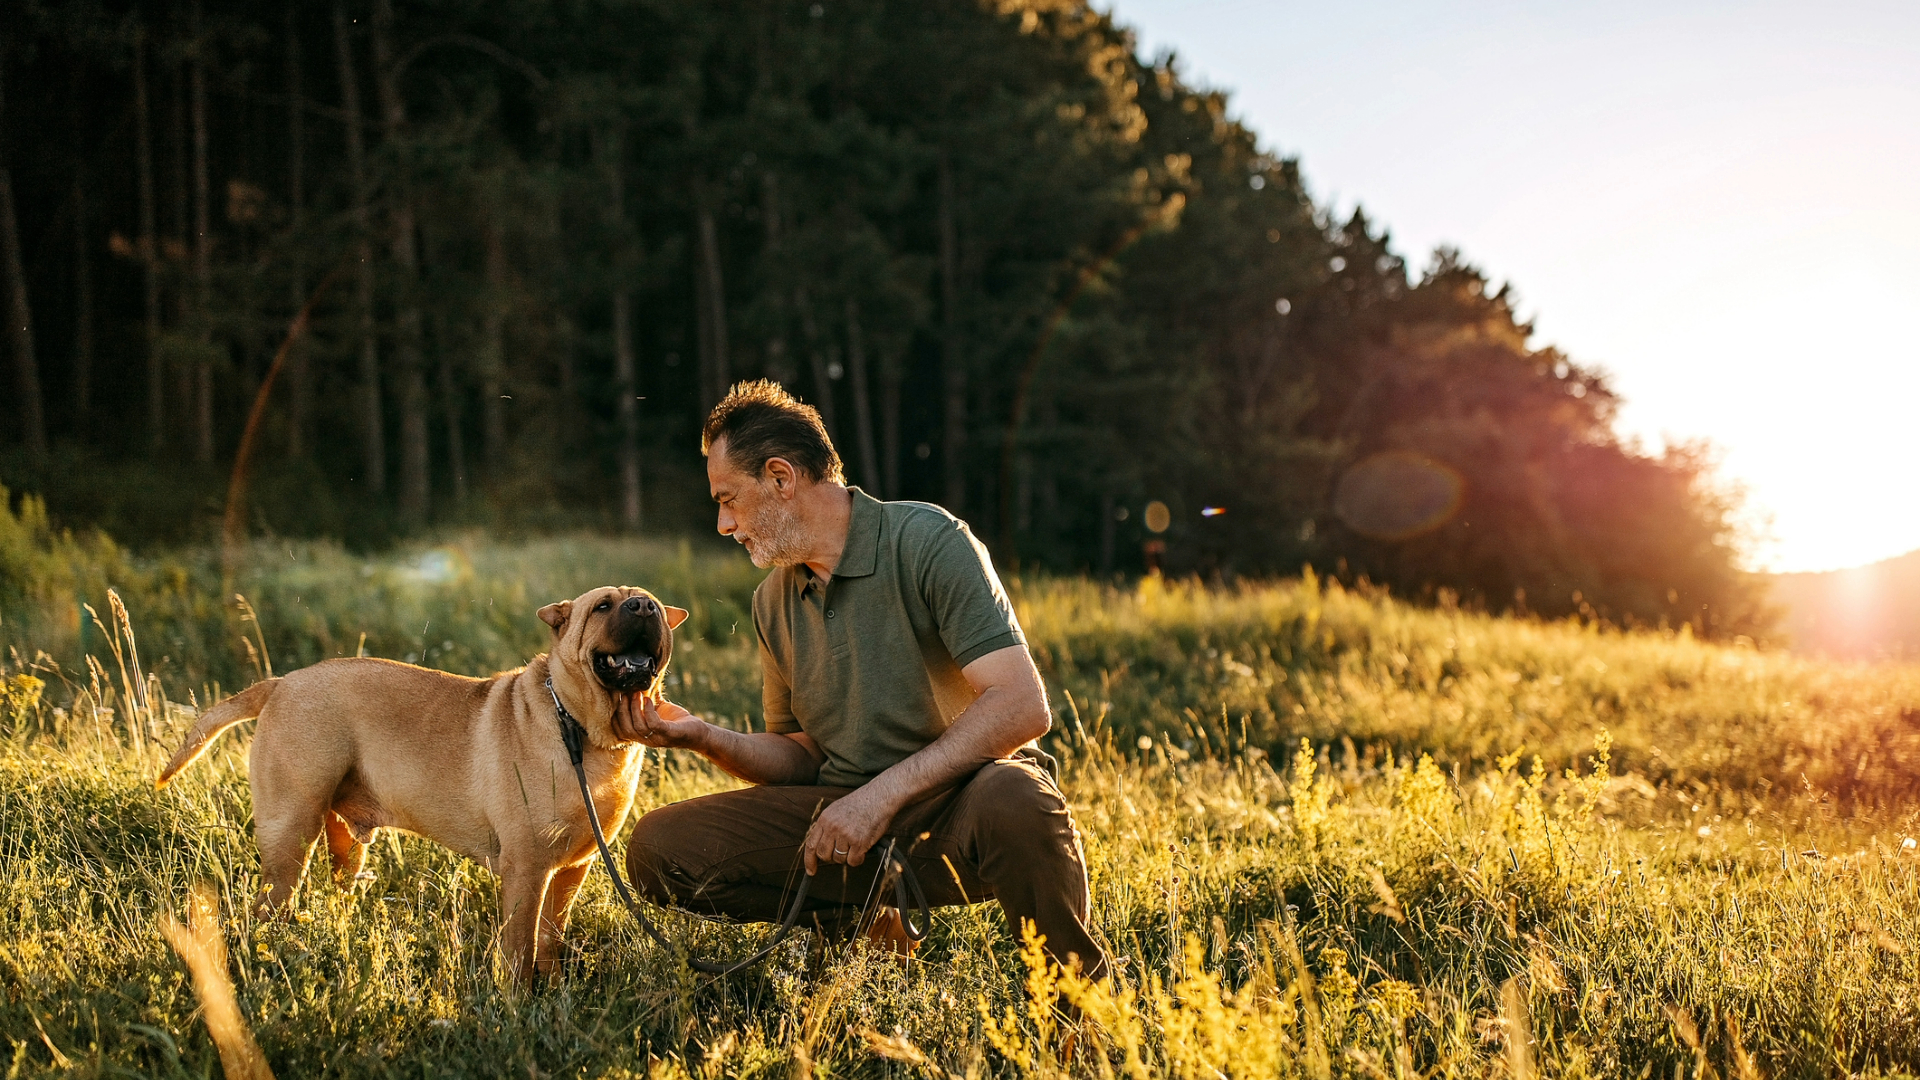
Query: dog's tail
x=242, y=706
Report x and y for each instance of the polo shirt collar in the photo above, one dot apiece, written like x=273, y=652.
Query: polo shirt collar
x=863, y=537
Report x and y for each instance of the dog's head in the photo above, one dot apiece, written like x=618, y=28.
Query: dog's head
x=623, y=636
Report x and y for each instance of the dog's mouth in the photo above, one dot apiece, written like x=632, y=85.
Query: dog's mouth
x=627, y=672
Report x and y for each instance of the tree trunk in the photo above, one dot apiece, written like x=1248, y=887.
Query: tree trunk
x=415, y=461
x=625, y=383
x=33, y=425
x=1108, y=520
x=493, y=332
x=716, y=370
x=1049, y=477
x=182, y=216
x=450, y=405
x=702, y=326
x=862, y=407
x=202, y=252
x=373, y=445
x=779, y=356
x=1022, y=493
x=953, y=450
x=149, y=253
x=817, y=361
x=299, y=369
x=566, y=339
x=890, y=422
x=182, y=241
x=82, y=311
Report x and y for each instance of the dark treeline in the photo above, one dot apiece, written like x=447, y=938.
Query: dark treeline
x=1022, y=271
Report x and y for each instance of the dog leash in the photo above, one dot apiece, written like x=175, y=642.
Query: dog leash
x=574, y=735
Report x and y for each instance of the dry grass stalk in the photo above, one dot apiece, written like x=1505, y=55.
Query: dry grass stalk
x=203, y=945
x=1513, y=1009
x=901, y=1049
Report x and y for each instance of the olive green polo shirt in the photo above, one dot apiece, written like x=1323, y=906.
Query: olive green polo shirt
x=867, y=662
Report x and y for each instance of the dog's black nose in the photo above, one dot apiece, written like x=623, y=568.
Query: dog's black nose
x=638, y=605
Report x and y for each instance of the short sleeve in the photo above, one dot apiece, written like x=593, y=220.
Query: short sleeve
x=960, y=588
x=776, y=697
x=776, y=692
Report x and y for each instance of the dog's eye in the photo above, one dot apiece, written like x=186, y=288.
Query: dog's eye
x=603, y=605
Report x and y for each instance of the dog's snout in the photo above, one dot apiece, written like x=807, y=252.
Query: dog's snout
x=634, y=645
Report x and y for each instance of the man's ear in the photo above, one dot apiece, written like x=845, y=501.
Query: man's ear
x=555, y=614
x=675, y=615
x=781, y=474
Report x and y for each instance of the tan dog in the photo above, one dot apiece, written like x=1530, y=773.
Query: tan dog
x=353, y=745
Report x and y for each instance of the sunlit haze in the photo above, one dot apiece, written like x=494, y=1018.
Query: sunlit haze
x=1718, y=204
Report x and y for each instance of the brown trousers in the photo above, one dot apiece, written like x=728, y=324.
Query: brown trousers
x=1003, y=834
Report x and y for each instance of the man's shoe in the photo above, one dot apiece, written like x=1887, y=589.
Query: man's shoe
x=888, y=933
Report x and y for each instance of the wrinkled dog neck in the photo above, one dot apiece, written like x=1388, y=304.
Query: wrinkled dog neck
x=585, y=699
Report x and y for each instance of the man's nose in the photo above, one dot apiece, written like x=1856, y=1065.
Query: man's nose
x=725, y=524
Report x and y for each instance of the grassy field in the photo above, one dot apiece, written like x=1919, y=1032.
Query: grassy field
x=1329, y=835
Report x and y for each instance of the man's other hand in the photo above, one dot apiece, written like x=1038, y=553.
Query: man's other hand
x=657, y=722
x=845, y=831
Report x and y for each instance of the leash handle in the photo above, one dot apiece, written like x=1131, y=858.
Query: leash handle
x=905, y=879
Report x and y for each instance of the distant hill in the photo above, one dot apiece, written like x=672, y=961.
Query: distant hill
x=1867, y=612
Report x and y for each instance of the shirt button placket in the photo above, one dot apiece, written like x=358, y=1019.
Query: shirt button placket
x=836, y=637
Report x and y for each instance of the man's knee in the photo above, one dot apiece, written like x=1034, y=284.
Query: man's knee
x=651, y=863
x=1015, y=798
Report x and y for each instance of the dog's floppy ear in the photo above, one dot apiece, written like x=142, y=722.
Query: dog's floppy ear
x=555, y=614
x=675, y=615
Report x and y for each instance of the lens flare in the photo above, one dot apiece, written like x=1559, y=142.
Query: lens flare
x=1397, y=495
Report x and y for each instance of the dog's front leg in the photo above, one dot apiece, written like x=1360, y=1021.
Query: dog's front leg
x=553, y=914
x=523, y=889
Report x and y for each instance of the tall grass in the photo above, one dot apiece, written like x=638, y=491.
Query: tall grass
x=1265, y=664
x=1501, y=845
x=210, y=625
x=1194, y=668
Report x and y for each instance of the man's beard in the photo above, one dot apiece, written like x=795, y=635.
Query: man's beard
x=778, y=536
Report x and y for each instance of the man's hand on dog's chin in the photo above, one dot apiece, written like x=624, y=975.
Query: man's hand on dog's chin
x=657, y=722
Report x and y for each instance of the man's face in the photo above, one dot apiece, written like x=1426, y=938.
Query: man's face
x=753, y=511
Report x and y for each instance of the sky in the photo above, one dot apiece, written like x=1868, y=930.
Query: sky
x=1718, y=204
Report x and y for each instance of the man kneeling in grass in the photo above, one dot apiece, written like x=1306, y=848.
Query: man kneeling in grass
x=900, y=702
